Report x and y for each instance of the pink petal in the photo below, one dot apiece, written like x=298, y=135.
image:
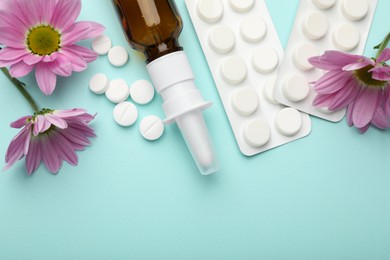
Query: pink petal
x=75, y=33
x=12, y=38
x=345, y=96
x=50, y=155
x=96, y=30
x=20, y=69
x=57, y=121
x=45, y=9
x=334, y=60
x=69, y=113
x=380, y=119
x=78, y=62
x=332, y=82
x=46, y=79
x=18, y=147
x=65, y=149
x=32, y=59
x=20, y=122
x=61, y=66
x=384, y=56
x=65, y=13
x=381, y=73
x=364, y=129
x=357, y=65
x=9, y=53
x=87, y=54
x=34, y=157
x=365, y=106
x=323, y=100
x=7, y=19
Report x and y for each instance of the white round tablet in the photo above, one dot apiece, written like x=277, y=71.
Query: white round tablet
x=269, y=87
x=257, y=133
x=245, y=101
x=99, y=83
x=289, y=121
x=355, y=10
x=102, y=44
x=125, y=113
x=324, y=4
x=118, y=56
x=253, y=29
x=142, y=92
x=151, y=128
x=346, y=37
x=210, y=11
x=265, y=59
x=233, y=70
x=302, y=54
x=118, y=91
x=222, y=39
x=315, y=26
x=242, y=6
x=296, y=88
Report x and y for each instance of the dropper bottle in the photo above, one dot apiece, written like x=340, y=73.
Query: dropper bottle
x=153, y=27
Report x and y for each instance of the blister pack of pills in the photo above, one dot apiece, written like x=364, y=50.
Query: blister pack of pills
x=243, y=52
x=320, y=25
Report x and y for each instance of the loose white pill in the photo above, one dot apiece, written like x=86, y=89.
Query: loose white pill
x=151, y=128
x=99, y=83
x=118, y=56
x=142, y=92
x=222, y=39
x=302, y=54
x=118, y=91
x=324, y=4
x=355, y=10
x=289, y=121
x=102, y=44
x=253, y=29
x=265, y=59
x=269, y=87
x=296, y=88
x=346, y=37
x=210, y=11
x=257, y=133
x=315, y=26
x=233, y=70
x=242, y=6
x=245, y=101
x=125, y=113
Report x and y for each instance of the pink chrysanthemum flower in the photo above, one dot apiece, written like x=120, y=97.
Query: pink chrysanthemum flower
x=359, y=83
x=51, y=136
x=41, y=34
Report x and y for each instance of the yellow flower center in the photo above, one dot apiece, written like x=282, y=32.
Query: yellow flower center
x=43, y=40
x=365, y=77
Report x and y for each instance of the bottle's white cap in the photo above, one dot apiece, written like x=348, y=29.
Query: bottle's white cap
x=183, y=103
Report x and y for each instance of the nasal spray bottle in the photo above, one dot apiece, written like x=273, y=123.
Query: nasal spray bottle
x=153, y=27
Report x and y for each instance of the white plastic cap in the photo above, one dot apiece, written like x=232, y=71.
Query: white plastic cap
x=183, y=103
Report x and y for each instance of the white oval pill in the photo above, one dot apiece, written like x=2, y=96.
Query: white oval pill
x=324, y=4
x=302, y=54
x=118, y=56
x=296, y=88
x=242, y=6
x=315, y=26
x=269, y=87
x=289, y=121
x=222, y=39
x=99, y=83
x=265, y=59
x=355, y=10
x=118, y=91
x=257, y=133
x=346, y=37
x=253, y=29
x=210, y=11
x=151, y=128
x=245, y=101
x=102, y=44
x=233, y=70
x=142, y=92
x=125, y=113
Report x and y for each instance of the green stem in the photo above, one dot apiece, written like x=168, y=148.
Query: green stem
x=383, y=45
x=20, y=86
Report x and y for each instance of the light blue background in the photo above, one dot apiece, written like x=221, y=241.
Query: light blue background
x=323, y=197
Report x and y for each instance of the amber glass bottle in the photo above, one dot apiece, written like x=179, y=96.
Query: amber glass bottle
x=151, y=26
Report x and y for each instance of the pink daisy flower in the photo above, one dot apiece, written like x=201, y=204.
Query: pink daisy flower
x=51, y=136
x=41, y=34
x=357, y=83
